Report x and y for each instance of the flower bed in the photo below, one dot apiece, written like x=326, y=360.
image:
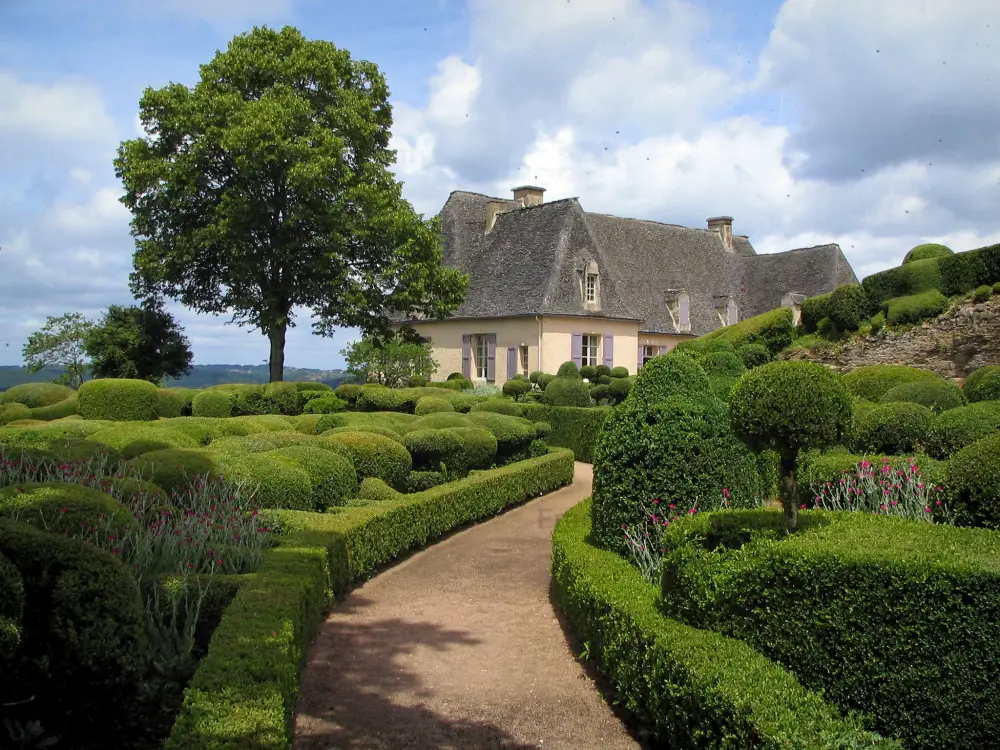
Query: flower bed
x=690, y=688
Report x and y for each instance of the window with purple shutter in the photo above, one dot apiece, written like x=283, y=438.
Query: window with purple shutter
x=491, y=361
x=640, y=358
x=467, y=356
x=511, y=362
x=577, y=351
x=609, y=351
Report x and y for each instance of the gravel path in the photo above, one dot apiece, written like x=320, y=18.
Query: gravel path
x=458, y=647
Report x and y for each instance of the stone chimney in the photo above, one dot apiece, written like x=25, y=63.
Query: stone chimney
x=493, y=210
x=724, y=226
x=528, y=195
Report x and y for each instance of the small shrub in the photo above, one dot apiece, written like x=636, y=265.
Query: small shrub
x=544, y=379
x=37, y=395
x=722, y=386
x=440, y=420
x=170, y=403
x=278, y=483
x=878, y=322
x=284, y=397
x=67, y=509
x=566, y=391
x=416, y=381
x=332, y=475
x=983, y=384
x=568, y=370
x=618, y=389
x=773, y=329
x=533, y=377
x=893, y=428
x=420, y=481
x=996, y=288
x=456, y=376
x=982, y=293
x=130, y=439
x=515, y=389
x=117, y=399
x=916, y=307
x=669, y=375
x=600, y=393
x=513, y=435
x=13, y=412
x=754, y=355
x=543, y=430
x=348, y=392
x=815, y=309
x=375, y=490
x=872, y=381
x=376, y=456
x=312, y=385
x=925, y=251
x=385, y=399
x=723, y=363
x=828, y=329
x=431, y=448
x=954, y=429
x=972, y=478
x=588, y=372
x=848, y=306
x=374, y=429
x=938, y=396
x=214, y=404
x=479, y=450
x=324, y=405
x=618, y=372
x=499, y=406
x=432, y=405
x=464, y=402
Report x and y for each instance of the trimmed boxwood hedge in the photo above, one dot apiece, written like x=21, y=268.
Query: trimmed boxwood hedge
x=896, y=619
x=963, y=272
x=84, y=639
x=65, y=508
x=773, y=329
x=512, y=433
x=332, y=475
x=669, y=375
x=376, y=456
x=872, y=381
x=431, y=405
x=375, y=429
x=13, y=412
x=912, y=278
x=324, y=405
x=441, y=420
x=212, y=404
x=132, y=439
x=68, y=407
x=174, y=469
x=431, y=448
x=284, y=397
x=243, y=695
x=35, y=395
x=118, y=399
x=848, y=307
x=972, y=479
x=939, y=395
x=260, y=442
x=375, y=490
x=954, y=429
x=572, y=427
x=280, y=483
x=983, y=384
x=927, y=250
x=170, y=403
x=378, y=398
x=478, y=451
x=815, y=309
x=916, y=307
x=689, y=688
x=894, y=428
x=566, y=391
x=499, y=406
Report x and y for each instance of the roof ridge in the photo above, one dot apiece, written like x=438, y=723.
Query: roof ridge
x=797, y=249
x=480, y=195
x=658, y=223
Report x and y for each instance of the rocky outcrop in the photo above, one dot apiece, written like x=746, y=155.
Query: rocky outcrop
x=953, y=344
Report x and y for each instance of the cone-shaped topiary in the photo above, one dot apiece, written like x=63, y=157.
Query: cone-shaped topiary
x=790, y=407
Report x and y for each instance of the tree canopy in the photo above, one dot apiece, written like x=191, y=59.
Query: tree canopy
x=60, y=343
x=266, y=187
x=389, y=361
x=145, y=343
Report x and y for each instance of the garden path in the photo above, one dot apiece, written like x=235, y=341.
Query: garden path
x=458, y=647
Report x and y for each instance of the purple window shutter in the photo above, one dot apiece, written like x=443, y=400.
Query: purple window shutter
x=661, y=350
x=491, y=358
x=639, y=360
x=684, y=312
x=467, y=356
x=609, y=351
x=511, y=362
x=578, y=349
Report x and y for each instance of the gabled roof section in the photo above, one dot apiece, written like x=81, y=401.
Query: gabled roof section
x=807, y=270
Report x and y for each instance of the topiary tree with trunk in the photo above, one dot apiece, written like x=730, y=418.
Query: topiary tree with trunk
x=790, y=407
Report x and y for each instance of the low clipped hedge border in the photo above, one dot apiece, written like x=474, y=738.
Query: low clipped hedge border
x=573, y=427
x=243, y=695
x=691, y=688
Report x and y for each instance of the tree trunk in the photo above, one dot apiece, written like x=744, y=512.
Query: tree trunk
x=276, y=362
x=787, y=492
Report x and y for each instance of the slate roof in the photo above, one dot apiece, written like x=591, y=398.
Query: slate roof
x=532, y=262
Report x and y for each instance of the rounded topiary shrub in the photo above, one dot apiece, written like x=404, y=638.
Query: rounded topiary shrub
x=35, y=395
x=68, y=407
x=542, y=430
x=479, y=450
x=312, y=385
x=384, y=399
x=248, y=425
x=440, y=420
x=588, y=372
x=983, y=384
x=117, y=399
x=374, y=428
x=332, y=475
x=274, y=481
x=212, y=404
x=972, y=479
x=131, y=439
x=375, y=490
x=723, y=363
x=170, y=403
x=618, y=372
x=982, y=293
x=175, y=469
x=13, y=412
x=954, y=429
x=848, y=306
x=376, y=456
x=325, y=405
x=431, y=448
x=432, y=405
x=754, y=355
x=891, y=428
x=600, y=393
x=285, y=397
x=499, y=406
x=65, y=508
x=678, y=451
x=568, y=370
x=722, y=386
x=872, y=381
x=567, y=391
x=421, y=481
x=259, y=442
x=544, y=379
x=938, y=396
x=349, y=392
x=669, y=375
x=515, y=389
x=513, y=434
x=618, y=388
x=84, y=640
x=927, y=251
x=535, y=374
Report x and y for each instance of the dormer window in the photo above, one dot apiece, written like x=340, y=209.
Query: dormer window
x=679, y=307
x=727, y=310
x=591, y=295
x=589, y=279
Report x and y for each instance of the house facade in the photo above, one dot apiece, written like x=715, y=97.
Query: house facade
x=550, y=282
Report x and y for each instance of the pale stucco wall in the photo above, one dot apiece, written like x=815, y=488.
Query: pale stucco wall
x=446, y=340
x=557, y=340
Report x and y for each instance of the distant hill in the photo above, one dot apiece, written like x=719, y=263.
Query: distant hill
x=201, y=376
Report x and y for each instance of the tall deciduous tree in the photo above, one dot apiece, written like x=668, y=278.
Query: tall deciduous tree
x=266, y=187
x=60, y=343
x=143, y=342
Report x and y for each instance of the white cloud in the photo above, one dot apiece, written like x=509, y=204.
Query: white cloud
x=228, y=10
x=101, y=213
x=80, y=176
x=62, y=111
x=453, y=91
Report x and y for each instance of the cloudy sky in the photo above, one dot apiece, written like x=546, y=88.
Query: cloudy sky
x=872, y=124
